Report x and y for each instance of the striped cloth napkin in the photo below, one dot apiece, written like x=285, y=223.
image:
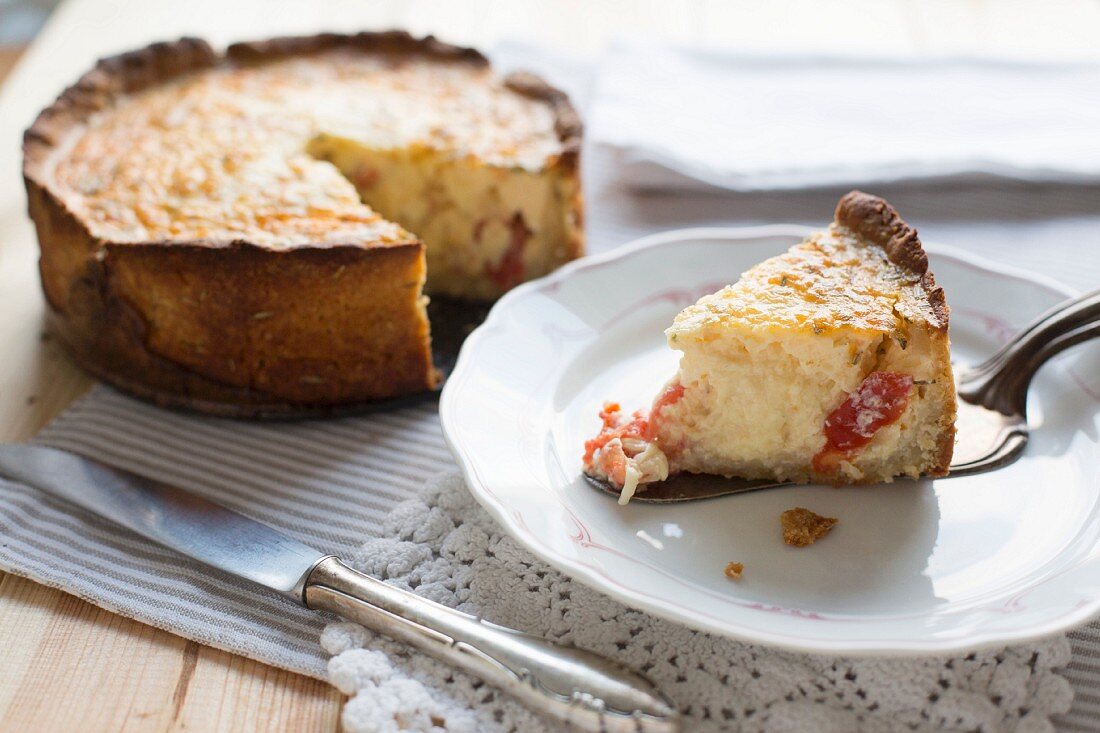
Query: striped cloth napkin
x=327, y=483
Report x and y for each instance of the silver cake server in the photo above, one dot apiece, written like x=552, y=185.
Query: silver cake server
x=992, y=421
x=574, y=686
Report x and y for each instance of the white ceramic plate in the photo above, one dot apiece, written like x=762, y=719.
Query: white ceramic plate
x=914, y=566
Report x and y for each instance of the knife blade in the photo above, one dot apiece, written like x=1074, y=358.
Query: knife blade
x=177, y=519
x=571, y=685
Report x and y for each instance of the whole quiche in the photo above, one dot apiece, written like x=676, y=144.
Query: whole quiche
x=255, y=232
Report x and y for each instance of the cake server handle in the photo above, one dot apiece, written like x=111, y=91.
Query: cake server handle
x=1000, y=383
x=574, y=686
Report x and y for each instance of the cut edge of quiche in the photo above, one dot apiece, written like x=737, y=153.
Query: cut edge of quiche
x=202, y=323
x=829, y=363
x=516, y=233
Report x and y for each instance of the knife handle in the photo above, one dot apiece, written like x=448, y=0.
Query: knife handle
x=571, y=685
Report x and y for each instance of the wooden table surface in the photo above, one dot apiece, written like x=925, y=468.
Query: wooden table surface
x=68, y=665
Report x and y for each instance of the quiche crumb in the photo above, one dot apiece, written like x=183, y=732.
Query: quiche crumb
x=801, y=527
x=734, y=570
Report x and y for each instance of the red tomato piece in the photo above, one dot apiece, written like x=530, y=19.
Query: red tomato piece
x=615, y=426
x=509, y=272
x=365, y=177
x=878, y=401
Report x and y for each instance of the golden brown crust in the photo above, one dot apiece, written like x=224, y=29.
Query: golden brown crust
x=567, y=122
x=802, y=527
x=876, y=221
x=393, y=41
x=879, y=223
x=100, y=308
x=945, y=445
x=945, y=449
x=105, y=327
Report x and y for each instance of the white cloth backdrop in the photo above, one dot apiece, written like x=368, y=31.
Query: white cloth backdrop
x=687, y=118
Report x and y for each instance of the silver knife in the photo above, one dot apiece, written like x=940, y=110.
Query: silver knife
x=571, y=685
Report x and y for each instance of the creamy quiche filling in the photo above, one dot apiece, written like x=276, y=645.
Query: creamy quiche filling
x=318, y=149
x=826, y=363
x=486, y=228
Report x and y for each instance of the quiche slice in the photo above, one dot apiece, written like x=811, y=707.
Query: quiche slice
x=829, y=363
x=253, y=232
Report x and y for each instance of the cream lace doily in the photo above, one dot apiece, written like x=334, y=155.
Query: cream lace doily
x=443, y=546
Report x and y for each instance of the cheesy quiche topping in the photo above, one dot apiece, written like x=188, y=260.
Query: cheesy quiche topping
x=330, y=148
